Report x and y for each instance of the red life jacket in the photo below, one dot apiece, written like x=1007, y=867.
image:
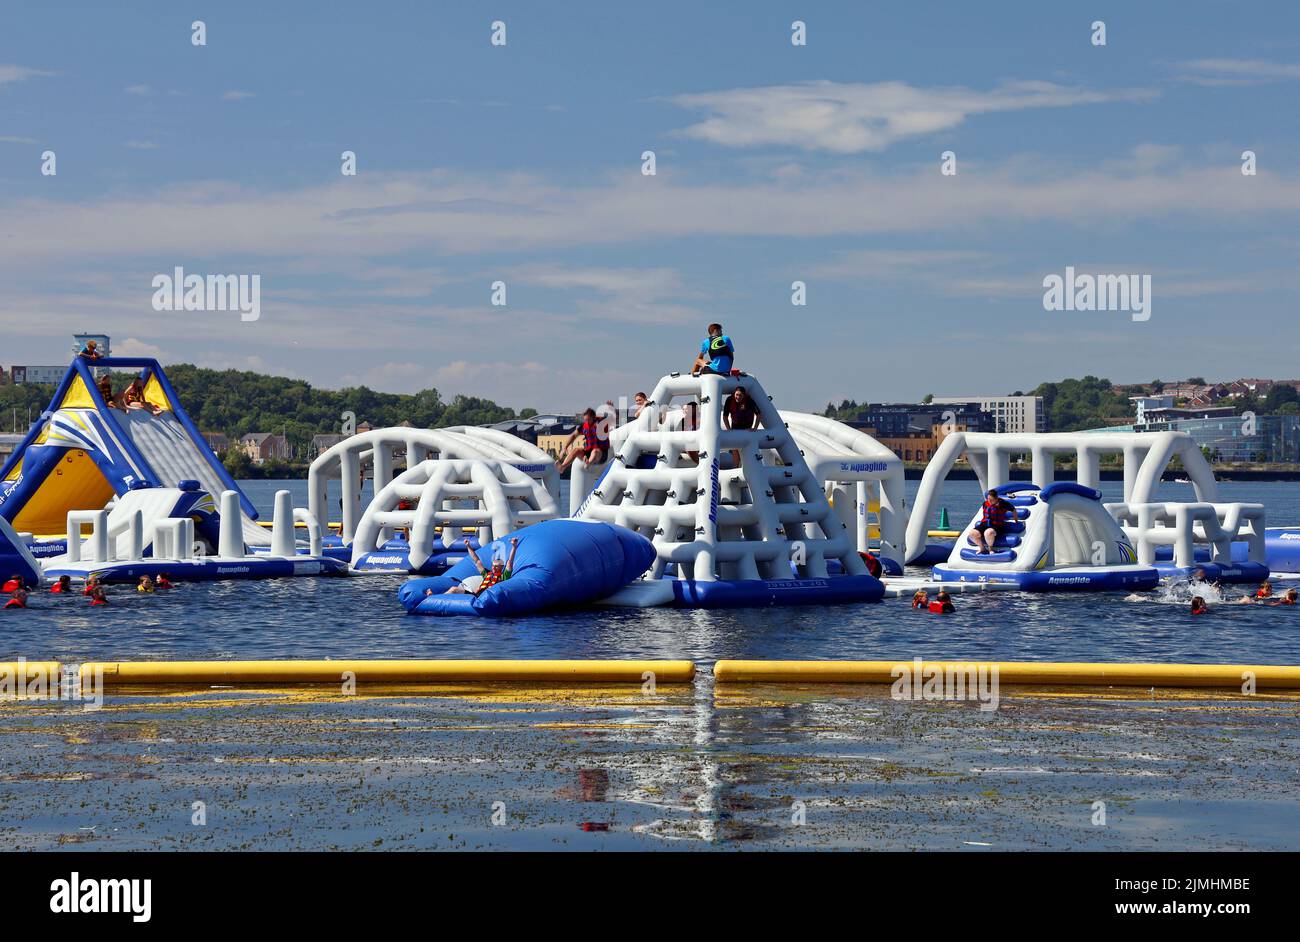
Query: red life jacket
x=1263, y=594
x=490, y=578
x=11, y=585
x=57, y=587
x=997, y=513
x=99, y=601
x=941, y=608
x=15, y=603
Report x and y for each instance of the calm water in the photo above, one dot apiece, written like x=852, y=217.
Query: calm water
x=360, y=617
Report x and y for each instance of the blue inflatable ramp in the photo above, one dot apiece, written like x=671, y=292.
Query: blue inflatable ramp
x=559, y=563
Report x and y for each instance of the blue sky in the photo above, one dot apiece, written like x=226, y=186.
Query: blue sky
x=775, y=163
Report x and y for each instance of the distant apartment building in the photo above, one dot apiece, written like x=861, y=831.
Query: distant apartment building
x=1010, y=413
x=914, y=431
x=1143, y=404
x=1229, y=438
x=31, y=375
x=263, y=446
x=323, y=443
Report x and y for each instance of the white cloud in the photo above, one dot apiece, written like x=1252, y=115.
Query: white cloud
x=134, y=347
x=853, y=118
x=141, y=90
x=6, y=139
x=19, y=73
x=236, y=95
x=1237, y=71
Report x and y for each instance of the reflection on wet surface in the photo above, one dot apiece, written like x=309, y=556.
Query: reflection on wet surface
x=691, y=767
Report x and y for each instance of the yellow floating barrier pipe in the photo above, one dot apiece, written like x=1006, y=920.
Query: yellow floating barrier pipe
x=121, y=673
x=1012, y=672
x=27, y=674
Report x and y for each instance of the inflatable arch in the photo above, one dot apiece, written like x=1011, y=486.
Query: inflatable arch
x=380, y=450
x=1146, y=455
x=81, y=453
x=859, y=474
x=1063, y=537
x=486, y=499
x=760, y=534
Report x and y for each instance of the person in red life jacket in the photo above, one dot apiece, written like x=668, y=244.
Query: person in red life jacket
x=64, y=585
x=18, y=599
x=1198, y=605
x=585, y=443
x=97, y=596
x=921, y=599
x=995, y=514
x=1288, y=599
x=487, y=578
x=1265, y=591
x=162, y=582
x=91, y=582
x=739, y=413
x=942, y=604
x=873, y=564
x=12, y=584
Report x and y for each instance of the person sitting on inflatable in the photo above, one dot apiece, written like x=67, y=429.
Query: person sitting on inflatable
x=716, y=354
x=995, y=514
x=487, y=578
x=589, y=449
x=921, y=599
x=18, y=599
x=1198, y=605
x=64, y=585
x=106, y=391
x=133, y=397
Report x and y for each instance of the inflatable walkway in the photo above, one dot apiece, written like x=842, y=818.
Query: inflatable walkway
x=82, y=453
x=558, y=563
x=1063, y=538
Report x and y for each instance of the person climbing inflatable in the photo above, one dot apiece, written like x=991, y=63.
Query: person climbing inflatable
x=476, y=585
x=716, y=354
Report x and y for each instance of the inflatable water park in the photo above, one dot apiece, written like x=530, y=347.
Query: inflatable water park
x=685, y=511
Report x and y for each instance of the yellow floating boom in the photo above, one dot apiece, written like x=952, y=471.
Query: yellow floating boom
x=121, y=673
x=26, y=673
x=1013, y=672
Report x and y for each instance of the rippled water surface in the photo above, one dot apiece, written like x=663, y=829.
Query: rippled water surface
x=360, y=617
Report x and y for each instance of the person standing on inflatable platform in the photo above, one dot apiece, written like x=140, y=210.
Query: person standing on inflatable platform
x=996, y=513
x=716, y=354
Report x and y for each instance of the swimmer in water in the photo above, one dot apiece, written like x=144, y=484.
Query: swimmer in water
x=13, y=582
x=64, y=585
x=1288, y=599
x=145, y=584
x=1198, y=605
x=944, y=601
x=1265, y=590
x=921, y=599
x=97, y=596
x=18, y=599
x=162, y=582
x=91, y=582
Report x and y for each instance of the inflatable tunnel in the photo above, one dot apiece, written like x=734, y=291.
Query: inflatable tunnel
x=558, y=563
x=82, y=453
x=1062, y=538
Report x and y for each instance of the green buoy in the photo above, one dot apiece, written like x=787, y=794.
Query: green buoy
x=943, y=518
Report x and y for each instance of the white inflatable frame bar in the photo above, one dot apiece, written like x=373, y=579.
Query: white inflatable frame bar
x=506, y=499
x=840, y=455
x=1146, y=455
x=750, y=541
x=347, y=460
x=1183, y=526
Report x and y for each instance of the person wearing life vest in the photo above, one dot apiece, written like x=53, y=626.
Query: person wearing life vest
x=145, y=584
x=12, y=584
x=942, y=604
x=921, y=599
x=873, y=564
x=1265, y=591
x=18, y=599
x=1289, y=599
x=501, y=571
x=995, y=514
x=64, y=585
x=133, y=397
x=588, y=442
x=1198, y=605
x=90, y=351
x=97, y=596
x=716, y=355
x=91, y=583
x=162, y=582
x=105, y=385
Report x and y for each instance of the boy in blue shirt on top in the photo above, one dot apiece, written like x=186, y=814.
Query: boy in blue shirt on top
x=716, y=354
